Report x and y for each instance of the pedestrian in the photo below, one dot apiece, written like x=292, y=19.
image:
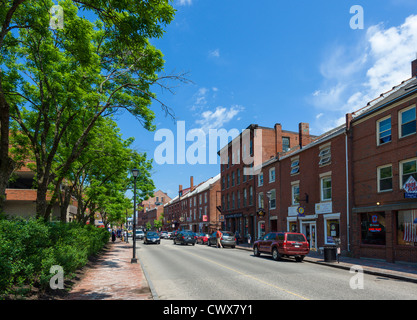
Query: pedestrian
x=218, y=238
x=113, y=236
x=237, y=235
x=249, y=238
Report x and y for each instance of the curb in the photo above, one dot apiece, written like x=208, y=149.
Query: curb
x=346, y=267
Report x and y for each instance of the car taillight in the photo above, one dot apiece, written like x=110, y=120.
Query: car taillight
x=285, y=243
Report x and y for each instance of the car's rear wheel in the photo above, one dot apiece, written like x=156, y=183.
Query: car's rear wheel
x=275, y=254
x=299, y=258
x=256, y=251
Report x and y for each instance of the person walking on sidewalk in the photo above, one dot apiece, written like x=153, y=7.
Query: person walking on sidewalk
x=113, y=236
x=218, y=238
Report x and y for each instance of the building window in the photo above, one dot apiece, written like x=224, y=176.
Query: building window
x=373, y=228
x=407, y=119
x=384, y=130
x=325, y=156
x=326, y=189
x=244, y=197
x=233, y=179
x=238, y=177
x=271, y=175
x=407, y=169
x=260, y=179
x=228, y=202
x=223, y=179
x=272, y=199
x=238, y=199
x=332, y=230
x=228, y=182
x=261, y=200
x=406, y=228
x=250, y=195
x=295, y=194
x=233, y=200
x=295, y=167
x=285, y=144
x=384, y=178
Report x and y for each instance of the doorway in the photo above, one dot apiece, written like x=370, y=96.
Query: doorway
x=308, y=228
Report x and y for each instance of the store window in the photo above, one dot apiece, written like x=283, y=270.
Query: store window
x=373, y=228
x=332, y=230
x=407, y=227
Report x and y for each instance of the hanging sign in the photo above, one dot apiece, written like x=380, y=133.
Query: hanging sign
x=301, y=211
x=410, y=188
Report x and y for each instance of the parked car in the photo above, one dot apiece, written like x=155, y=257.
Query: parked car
x=202, y=238
x=152, y=237
x=174, y=234
x=185, y=237
x=163, y=234
x=140, y=234
x=228, y=239
x=279, y=244
x=169, y=235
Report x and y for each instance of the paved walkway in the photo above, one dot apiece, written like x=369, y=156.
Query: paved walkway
x=114, y=277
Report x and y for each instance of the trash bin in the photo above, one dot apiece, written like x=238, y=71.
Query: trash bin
x=330, y=253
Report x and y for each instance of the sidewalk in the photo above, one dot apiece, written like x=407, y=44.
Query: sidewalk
x=399, y=271
x=113, y=277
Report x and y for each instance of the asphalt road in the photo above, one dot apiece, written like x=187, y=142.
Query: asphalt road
x=179, y=272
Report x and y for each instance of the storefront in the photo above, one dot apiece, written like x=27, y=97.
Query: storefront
x=389, y=233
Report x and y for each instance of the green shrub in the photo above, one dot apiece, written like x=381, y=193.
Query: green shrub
x=29, y=248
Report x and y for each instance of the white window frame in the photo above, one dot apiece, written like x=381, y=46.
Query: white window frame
x=292, y=194
x=378, y=132
x=400, y=116
x=260, y=179
x=401, y=170
x=272, y=179
x=379, y=177
x=295, y=167
x=322, y=188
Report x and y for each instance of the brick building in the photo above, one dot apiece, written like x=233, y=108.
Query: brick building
x=384, y=156
x=238, y=184
x=152, y=208
x=195, y=208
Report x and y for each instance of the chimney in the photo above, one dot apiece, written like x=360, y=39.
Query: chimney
x=414, y=68
x=180, y=190
x=303, y=134
x=349, y=118
x=278, y=137
x=191, y=183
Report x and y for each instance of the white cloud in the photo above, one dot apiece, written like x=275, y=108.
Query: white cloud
x=185, y=2
x=214, y=53
x=218, y=118
x=353, y=76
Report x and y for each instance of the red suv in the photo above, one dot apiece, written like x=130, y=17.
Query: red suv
x=280, y=244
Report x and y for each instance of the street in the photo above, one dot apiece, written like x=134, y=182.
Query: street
x=179, y=272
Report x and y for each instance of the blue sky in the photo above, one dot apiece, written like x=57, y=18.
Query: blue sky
x=273, y=61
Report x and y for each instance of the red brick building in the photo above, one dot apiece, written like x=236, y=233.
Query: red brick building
x=384, y=156
x=195, y=208
x=239, y=186
x=152, y=208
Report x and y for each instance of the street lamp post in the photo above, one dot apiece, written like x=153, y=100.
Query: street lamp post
x=268, y=195
x=135, y=173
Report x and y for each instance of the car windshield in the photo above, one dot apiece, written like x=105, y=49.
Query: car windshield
x=295, y=237
x=139, y=231
x=151, y=234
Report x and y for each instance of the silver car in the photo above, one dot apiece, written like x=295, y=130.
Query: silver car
x=228, y=239
x=139, y=234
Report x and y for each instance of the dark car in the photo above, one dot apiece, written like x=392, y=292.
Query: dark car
x=151, y=237
x=279, y=244
x=185, y=237
x=228, y=239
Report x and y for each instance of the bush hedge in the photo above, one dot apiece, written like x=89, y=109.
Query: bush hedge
x=28, y=249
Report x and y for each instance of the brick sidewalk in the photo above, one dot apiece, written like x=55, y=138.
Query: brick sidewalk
x=113, y=277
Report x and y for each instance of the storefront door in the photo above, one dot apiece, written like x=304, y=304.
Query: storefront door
x=309, y=230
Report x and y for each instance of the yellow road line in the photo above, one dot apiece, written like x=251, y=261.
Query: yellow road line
x=247, y=275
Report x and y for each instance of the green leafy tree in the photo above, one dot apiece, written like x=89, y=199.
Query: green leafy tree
x=57, y=84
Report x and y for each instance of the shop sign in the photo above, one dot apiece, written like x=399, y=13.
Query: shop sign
x=323, y=207
x=410, y=188
x=374, y=226
x=261, y=212
x=301, y=211
x=205, y=218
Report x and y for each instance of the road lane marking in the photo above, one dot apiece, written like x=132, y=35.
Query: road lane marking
x=247, y=275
